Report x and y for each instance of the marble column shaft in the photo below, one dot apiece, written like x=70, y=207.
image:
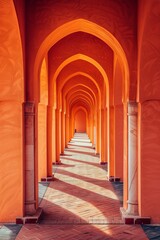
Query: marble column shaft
x=29, y=125
x=132, y=160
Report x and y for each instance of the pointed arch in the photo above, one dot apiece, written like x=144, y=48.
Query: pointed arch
x=88, y=27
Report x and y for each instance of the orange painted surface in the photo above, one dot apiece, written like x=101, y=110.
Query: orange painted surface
x=58, y=134
x=43, y=121
x=119, y=121
x=79, y=106
x=149, y=165
x=44, y=82
x=11, y=171
x=81, y=70
x=148, y=96
x=148, y=46
x=119, y=139
x=11, y=120
x=11, y=64
x=80, y=122
x=112, y=141
x=42, y=141
x=53, y=136
x=57, y=30
x=63, y=131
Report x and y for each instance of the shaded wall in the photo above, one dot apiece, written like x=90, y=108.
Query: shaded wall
x=80, y=121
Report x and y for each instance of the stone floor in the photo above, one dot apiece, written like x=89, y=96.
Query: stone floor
x=80, y=204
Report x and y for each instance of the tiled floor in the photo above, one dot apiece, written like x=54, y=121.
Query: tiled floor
x=80, y=203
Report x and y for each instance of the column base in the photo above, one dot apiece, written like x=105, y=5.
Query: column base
x=113, y=179
x=102, y=163
x=133, y=219
x=47, y=179
x=30, y=207
x=57, y=163
x=30, y=219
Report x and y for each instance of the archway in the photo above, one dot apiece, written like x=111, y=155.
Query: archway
x=80, y=121
x=108, y=39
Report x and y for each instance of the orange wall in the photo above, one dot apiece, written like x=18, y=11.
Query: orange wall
x=149, y=98
x=80, y=121
x=11, y=155
x=148, y=49
x=150, y=160
x=109, y=14
x=42, y=141
x=42, y=121
x=11, y=120
x=118, y=109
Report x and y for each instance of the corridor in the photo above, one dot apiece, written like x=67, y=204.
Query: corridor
x=80, y=203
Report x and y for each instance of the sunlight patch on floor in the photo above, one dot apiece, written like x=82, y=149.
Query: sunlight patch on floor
x=83, y=210
x=88, y=186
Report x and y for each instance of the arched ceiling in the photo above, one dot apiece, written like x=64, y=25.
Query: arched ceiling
x=85, y=59
x=80, y=59
x=90, y=52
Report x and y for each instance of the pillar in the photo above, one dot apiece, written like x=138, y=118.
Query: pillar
x=66, y=129
x=132, y=160
x=42, y=141
x=112, y=141
x=70, y=126
x=49, y=140
x=98, y=118
x=125, y=154
x=94, y=131
x=30, y=181
x=63, y=115
x=58, y=134
x=103, y=136
x=53, y=134
x=118, y=167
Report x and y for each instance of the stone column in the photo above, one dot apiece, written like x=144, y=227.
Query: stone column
x=132, y=160
x=30, y=190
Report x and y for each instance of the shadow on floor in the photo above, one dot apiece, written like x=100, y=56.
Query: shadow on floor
x=9, y=231
x=80, y=203
x=118, y=187
x=42, y=186
x=152, y=232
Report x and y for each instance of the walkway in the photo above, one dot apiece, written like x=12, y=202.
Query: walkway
x=80, y=204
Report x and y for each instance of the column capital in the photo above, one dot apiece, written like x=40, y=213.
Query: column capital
x=132, y=108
